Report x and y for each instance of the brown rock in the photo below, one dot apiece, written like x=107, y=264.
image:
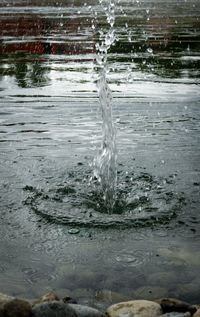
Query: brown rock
x=176, y=314
x=197, y=314
x=17, y=308
x=5, y=299
x=69, y=300
x=142, y=308
x=174, y=305
x=49, y=297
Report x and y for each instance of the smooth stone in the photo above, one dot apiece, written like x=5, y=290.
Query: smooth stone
x=49, y=297
x=197, y=314
x=17, y=308
x=85, y=311
x=136, y=308
x=174, y=305
x=53, y=309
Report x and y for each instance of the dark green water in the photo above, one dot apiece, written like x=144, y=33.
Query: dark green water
x=54, y=231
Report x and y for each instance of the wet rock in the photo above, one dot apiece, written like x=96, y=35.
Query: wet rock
x=85, y=311
x=5, y=299
x=53, y=309
x=137, y=308
x=177, y=314
x=175, y=305
x=17, y=308
x=197, y=314
x=66, y=296
x=69, y=300
x=49, y=297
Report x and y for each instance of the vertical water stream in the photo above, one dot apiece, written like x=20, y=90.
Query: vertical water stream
x=105, y=161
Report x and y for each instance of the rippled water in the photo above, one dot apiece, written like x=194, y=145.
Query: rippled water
x=54, y=231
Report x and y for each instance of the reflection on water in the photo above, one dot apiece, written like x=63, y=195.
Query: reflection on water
x=160, y=39
x=28, y=73
x=50, y=128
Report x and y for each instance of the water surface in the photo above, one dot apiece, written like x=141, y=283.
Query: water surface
x=54, y=232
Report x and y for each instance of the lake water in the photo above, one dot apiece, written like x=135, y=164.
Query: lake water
x=54, y=232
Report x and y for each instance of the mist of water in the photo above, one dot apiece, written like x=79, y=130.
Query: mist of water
x=105, y=161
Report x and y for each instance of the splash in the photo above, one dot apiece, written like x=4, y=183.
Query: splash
x=105, y=162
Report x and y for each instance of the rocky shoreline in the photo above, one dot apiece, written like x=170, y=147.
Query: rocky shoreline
x=50, y=305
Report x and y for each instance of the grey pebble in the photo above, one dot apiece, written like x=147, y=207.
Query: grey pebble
x=85, y=311
x=53, y=309
x=176, y=314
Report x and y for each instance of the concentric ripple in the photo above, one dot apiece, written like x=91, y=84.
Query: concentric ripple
x=142, y=200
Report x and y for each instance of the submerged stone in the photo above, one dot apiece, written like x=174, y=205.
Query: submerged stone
x=136, y=308
x=150, y=292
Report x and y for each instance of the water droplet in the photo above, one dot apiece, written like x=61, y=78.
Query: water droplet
x=73, y=231
x=129, y=37
x=149, y=50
